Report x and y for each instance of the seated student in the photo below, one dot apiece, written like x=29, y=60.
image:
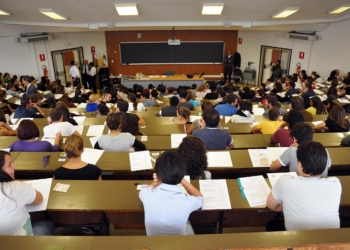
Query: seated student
x=183, y=115
x=244, y=113
x=11, y=90
x=332, y=94
x=183, y=102
x=3, y=96
x=269, y=127
x=332, y=76
x=245, y=94
x=166, y=208
x=307, y=93
x=346, y=90
x=75, y=168
x=107, y=97
x=65, y=99
x=117, y=141
x=171, y=109
x=259, y=96
x=27, y=134
x=316, y=106
x=272, y=101
x=154, y=95
x=68, y=88
x=229, y=108
x=122, y=108
x=269, y=85
x=146, y=101
x=213, y=95
x=14, y=197
x=5, y=130
x=169, y=92
x=297, y=103
x=308, y=201
x=24, y=111
x=192, y=99
x=192, y=151
x=65, y=112
x=133, y=105
x=282, y=135
x=221, y=95
x=291, y=90
x=78, y=98
x=301, y=132
x=201, y=92
x=162, y=90
x=213, y=137
x=129, y=124
x=92, y=106
x=56, y=124
x=196, y=123
x=335, y=122
x=102, y=111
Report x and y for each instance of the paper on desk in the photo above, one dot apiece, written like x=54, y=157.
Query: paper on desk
x=256, y=190
x=43, y=186
x=82, y=105
x=254, y=124
x=176, y=139
x=274, y=177
x=8, y=97
x=295, y=95
x=219, y=159
x=259, y=157
x=194, y=117
x=140, y=160
x=58, y=96
x=227, y=118
x=215, y=194
x=17, y=102
x=255, y=105
x=71, y=95
x=282, y=94
x=318, y=92
x=316, y=123
x=79, y=119
x=91, y=155
x=188, y=179
x=50, y=139
x=258, y=111
x=343, y=100
x=75, y=112
x=320, y=85
x=109, y=105
x=322, y=97
x=95, y=130
x=87, y=91
x=14, y=127
x=144, y=138
x=79, y=128
x=5, y=149
x=93, y=140
x=159, y=101
x=342, y=135
x=274, y=153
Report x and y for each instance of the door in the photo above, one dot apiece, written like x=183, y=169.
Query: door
x=59, y=67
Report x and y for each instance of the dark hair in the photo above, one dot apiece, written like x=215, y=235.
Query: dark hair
x=77, y=93
x=308, y=85
x=25, y=101
x=91, y=64
x=4, y=177
x=211, y=117
x=71, y=62
x=221, y=93
x=333, y=89
x=27, y=130
x=150, y=86
x=297, y=103
x=192, y=150
x=337, y=115
x=9, y=85
x=65, y=111
x=154, y=93
x=231, y=98
x=213, y=88
x=279, y=86
x=171, y=90
x=182, y=94
x=129, y=123
x=145, y=94
x=302, y=132
x=274, y=113
x=313, y=157
x=318, y=105
x=65, y=99
x=2, y=116
x=170, y=168
x=292, y=84
x=103, y=109
x=244, y=105
x=139, y=88
x=272, y=100
x=294, y=117
x=122, y=105
x=206, y=104
x=113, y=121
x=184, y=112
x=27, y=78
x=194, y=86
x=161, y=88
x=74, y=145
x=55, y=114
x=132, y=98
x=174, y=101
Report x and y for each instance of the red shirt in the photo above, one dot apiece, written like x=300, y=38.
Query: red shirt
x=282, y=136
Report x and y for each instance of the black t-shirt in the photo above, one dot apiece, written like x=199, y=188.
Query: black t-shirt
x=333, y=127
x=211, y=96
x=89, y=172
x=347, y=90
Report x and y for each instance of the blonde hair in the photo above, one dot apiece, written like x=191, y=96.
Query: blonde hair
x=93, y=98
x=74, y=145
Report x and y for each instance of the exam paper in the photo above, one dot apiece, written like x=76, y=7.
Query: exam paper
x=194, y=117
x=176, y=139
x=140, y=160
x=5, y=149
x=14, y=127
x=274, y=177
x=71, y=95
x=215, y=194
x=109, y=105
x=43, y=186
x=79, y=128
x=258, y=111
x=91, y=155
x=316, y=122
x=93, y=140
x=343, y=100
x=274, y=153
x=227, y=118
x=282, y=94
x=95, y=130
x=259, y=157
x=79, y=119
x=318, y=92
x=82, y=105
x=256, y=190
x=219, y=159
x=58, y=96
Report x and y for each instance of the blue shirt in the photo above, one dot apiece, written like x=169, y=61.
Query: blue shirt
x=91, y=107
x=226, y=109
x=213, y=138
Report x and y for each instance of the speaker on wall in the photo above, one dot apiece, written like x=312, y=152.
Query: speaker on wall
x=104, y=78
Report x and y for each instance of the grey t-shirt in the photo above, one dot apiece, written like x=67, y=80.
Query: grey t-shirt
x=149, y=103
x=186, y=104
x=309, y=202
x=122, y=142
x=289, y=157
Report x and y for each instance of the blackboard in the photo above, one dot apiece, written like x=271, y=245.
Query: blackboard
x=162, y=53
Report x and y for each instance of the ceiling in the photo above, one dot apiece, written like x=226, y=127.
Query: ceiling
x=164, y=14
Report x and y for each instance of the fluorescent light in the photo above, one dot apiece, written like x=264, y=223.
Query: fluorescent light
x=212, y=8
x=286, y=12
x=127, y=9
x=53, y=14
x=340, y=9
x=4, y=13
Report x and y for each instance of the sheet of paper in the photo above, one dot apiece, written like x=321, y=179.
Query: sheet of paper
x=320, y=85
x=140, y=160
x=95, y=130
x=14, y=127
x=176, y=140
x=256, y=190
x=87, y=91
x=255, y=105
x=343, y=100
x=79, y=128
x=43, y=186
x=91, y=155
x=17, y=102
x=82, y=105
x=8, y=97
x=274, y=177
x=295, y=95
x=5, y=149
x=74, y=112
x=318, y=92
x=219, y=159
x=79, y=119
x=93, y=140
x=109, y=105
x=71, y=95
x=227, y=118
x=258, y=111
x=316, y=122
x=322, y=97
x=254, y=124
x=259, y=157
x=282, y=94
x=60, y=187
x=144, y=138
x=274, y=153
x=194, y=117
x=58, y=96
x=50, y=139
x=215, y=194
x=159, y=101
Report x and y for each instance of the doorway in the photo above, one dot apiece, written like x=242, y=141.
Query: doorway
x=62, y=60
x=269, y=55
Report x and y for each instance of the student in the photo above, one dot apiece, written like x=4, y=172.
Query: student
x=277, y=88
x=129, y=124
x=335, y=122
x=192, y=99
x=213, y=95
x=78, y=98
x=201, y=92
x=133, y=105
x=332, y=94
x=171, y=109
x=117, y=141
x=291, y=90
x=14, y=196
x=316, y=106
x=27, y=134
x=11, y=90
x=56, y=124
x=107, y=97
x=122, y=108
x=269, y=127
x=244, y=113
x=301, y=132
x=308, y=201
x=92, y=106
x=146, y=101
x=166, y=208
x=102, y=111
x=24, y=111
x=308, y=92
x=65, y=99
x=269, y=85
x=192, y=151
x=346, y=89
x=297, y=103
x=259, y=96
x=183, y=102
x=65, y=112
x=183, y=115
x=272, y=101
x=229, y=108
x=75, y=168
x=5, y=130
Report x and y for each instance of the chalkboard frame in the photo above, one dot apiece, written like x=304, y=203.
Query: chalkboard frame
x=172, y=48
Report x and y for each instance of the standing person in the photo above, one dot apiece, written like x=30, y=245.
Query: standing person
x=30, y=88
x=84, y=74
x=92, y=77
x=228, y=66
x=276, y=70
x=74, y=74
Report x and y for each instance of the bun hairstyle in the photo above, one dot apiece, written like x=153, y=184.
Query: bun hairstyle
x=74, y=146
x=184, y=112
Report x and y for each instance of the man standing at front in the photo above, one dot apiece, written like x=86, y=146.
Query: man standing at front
x=84, y=74
x=74, y=74
x=92, y=77
x=228, y=66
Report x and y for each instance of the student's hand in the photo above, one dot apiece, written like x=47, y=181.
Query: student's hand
x=167, y=105
x=58, y=136
x=49, y=120
x=2, y=124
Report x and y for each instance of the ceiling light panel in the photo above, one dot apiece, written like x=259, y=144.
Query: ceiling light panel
x=53, y=14
x=212, y=8
x=128, y=9
x=286, y=12
x=4, y=13
x=340, y=9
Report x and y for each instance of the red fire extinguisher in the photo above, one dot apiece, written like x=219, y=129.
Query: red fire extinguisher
x=298, y=68
x=46, y=73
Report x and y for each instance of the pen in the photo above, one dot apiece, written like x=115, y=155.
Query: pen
x=241, y=188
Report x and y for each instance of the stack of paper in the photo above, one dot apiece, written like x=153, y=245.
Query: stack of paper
x=140, y=160
x=259, y=157
x=215, y=194
x=176, y=139
x=43, y=186
x=91, y=155
x=95, y=130
x=256, y=190
x=274, y=177
x=8, y=97
x=79, y=119
x=219, y=159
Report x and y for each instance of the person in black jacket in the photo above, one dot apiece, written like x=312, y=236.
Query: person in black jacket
x=228, y=66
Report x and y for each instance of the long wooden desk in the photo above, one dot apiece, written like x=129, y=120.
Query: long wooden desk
x=168, y=81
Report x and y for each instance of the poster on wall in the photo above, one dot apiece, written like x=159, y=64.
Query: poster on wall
x=301, y=55
x=42, y=57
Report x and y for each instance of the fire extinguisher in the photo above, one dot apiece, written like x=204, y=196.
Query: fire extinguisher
x=46, y=73
x=298, y=68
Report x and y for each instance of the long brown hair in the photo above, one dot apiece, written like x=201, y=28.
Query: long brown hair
x=337, y=115
x=132, y=98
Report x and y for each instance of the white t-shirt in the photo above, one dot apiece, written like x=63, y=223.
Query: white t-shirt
x=14, y=219
x=309, y=202
x=140, y=107
x=73, y=71
x=65, y=128
x=243, y=119
x=92, y=71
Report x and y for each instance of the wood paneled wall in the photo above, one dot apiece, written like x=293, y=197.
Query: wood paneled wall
x=113, y=38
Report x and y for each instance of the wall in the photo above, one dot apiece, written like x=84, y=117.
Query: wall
x=113, y=38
